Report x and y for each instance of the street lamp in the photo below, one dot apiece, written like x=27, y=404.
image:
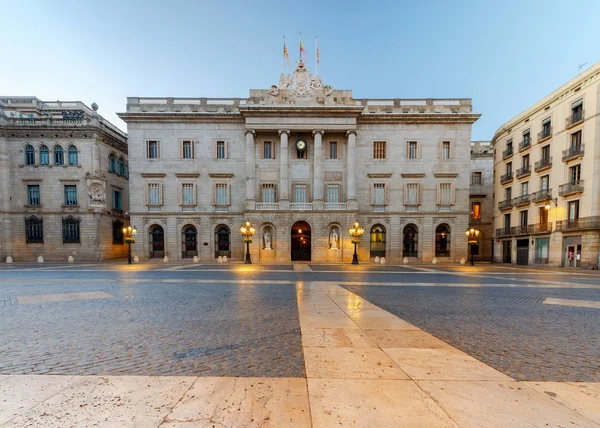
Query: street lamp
x=554, y=201
x=472, y=235
x=355, y=232
x=247, y=231
x=129, y=232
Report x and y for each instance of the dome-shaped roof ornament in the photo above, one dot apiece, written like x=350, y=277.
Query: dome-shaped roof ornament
x=94, y=106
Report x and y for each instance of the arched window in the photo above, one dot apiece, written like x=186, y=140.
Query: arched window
x=157, y=242
x=29, y=155
x=59, y=155
x=73, y=156
x=189, y=241
x=410, y=242
x=71, y=230
x=442, y=241
x=222, y=241
x=44, y=155
x=121, y=171
x=378, y=241
x=112, y=166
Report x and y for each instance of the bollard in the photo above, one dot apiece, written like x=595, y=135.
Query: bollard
x=166, y=259
x=377, y=259
x=136, y=259
x=195, y=259
x=9, y=260
x=462, y=261
x=405, y=261
x=434, y=260
x=40, y=259
x=383, y=260
x=220, y=259
x=224, y=259
x=71, y=259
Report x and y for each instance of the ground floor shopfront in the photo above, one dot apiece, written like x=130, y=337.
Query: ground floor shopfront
x=291, y=236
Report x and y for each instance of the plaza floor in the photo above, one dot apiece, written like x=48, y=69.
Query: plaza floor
x=180, y=345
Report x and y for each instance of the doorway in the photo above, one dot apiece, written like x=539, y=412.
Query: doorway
x=377, y=244
x=222, y=241
x=190, y=241
x=301, y=242
x=506, y=250
x=157, y=242
x=410, y=243
x=522, y=251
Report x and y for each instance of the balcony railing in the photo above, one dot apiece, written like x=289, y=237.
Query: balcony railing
x=574, y=118
x=523, y=172
x=506, y=178
x=301, y=206
x=525, y=144
x=534, y=229
x=507, y=153
x=542, y=195
x=521, y=201
x=270, y=206
x=221, y=208
x=331, y=206
x=519, y=231
x=570, y=188
x=503, y=205
x=543, y=164
x=501, y=233
x=573, y=152
x=378, y=208
x=583, y=223
x=544, y=134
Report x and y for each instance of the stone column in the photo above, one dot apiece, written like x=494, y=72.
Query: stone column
x=250, y=170
x=284, y=173
x=318, y=170
x=351, y=171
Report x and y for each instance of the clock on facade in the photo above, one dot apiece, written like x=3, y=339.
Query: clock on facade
x=301, y=145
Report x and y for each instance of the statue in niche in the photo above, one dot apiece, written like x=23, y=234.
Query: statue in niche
x=267, y=239
x=334, y=239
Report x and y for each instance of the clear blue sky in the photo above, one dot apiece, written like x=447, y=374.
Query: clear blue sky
x=505, y=55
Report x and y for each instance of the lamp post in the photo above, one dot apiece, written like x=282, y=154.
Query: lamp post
x=129, y=232
x=472, y=235
x=355, y=232
x=247, y=231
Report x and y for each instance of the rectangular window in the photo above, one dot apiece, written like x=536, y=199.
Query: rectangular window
x=476, y=210
x=509, y=146
x=379, y=194
x=117, y=200
x=509, y=169
x=545, y=182
x=525, y=188
x=300, y=193
x=445, y=194
x=154, y=194
x=70, y=194
x=575, y=173
x=525, y=162
x=506, y=221
x=333, y=154
x=33, y=195
x=523, y=216
x=187, y=194
x=34, y=230
x=546, y=154
x=413, y=192
x=576, y=140
x=221, y=153
x=152, y=151
x=117, y=229
x=221, y=194
x=543, y=215
x=268, y=193
x=70, y=230
x=573, y=210
x=546, y=127
x=526, y=138
x=379, y=149
x=187, y=150
x=507, y=193
x=445, y=149
x=268, y=150
x=412, y=149
x=476, y=178
x=577, y=111
x=333, y=193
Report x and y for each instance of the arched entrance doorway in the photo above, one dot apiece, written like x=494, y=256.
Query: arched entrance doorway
x=410, y=243
x=222, y=241
x=377, y=241
x=442, y=241
x=189, y=240
x=157, y=242
x=301, y=243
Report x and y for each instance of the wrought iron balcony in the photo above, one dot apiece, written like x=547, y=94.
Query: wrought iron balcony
x=573, y=152
x=506, y=178
x=583, y=223
x=523, y=172
x=525, y=144
x=542, y=195
x=543, y=164
x=521, y=201
x=505, y=205
x=535, y=229
x=301, y=206
x=574, y=118
x=333, y=206
x=519, y=231
x=570, y=188
x=501, y=233
x=507, y=153
x=268, y=206
x=544, y=134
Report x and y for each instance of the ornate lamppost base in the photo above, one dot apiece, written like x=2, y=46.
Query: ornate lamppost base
x=248, y=261
x=355, y=256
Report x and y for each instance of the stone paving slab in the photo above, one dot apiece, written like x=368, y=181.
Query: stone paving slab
x=62, y=297
x=582, y=397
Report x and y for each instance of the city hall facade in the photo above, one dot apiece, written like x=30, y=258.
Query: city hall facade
x=302, y=162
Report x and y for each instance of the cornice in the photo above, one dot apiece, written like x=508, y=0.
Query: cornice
x=187, y=174
x=418, y=118
x=412, y=174
x=300, y=110
x=445, y=174
x=195, y=117
x=220, y=175
x=380, y=175
x=153, y=174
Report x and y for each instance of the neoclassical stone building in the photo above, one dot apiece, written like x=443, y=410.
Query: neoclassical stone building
x=547, y=179
x=302, y=161
x=63, y=181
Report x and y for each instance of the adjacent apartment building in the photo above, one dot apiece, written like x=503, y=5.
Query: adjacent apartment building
x=482, y=198
x=63, y=181
x=547, y=179
x=302, y=162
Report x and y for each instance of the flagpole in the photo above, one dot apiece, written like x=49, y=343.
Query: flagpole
x=317, y=53
x=283, y=54
x=300, y=39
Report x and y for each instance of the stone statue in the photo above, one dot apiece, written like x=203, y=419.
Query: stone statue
x=274, y=91
x=267, y=239
x=333, y=239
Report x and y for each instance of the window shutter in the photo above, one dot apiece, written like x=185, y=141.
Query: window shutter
x=405, y=196
x=262, y=155
x=418, y=150
x=419, y=194
x=162, y=198
x=273, y=145
x=440, y=150
x=147, y=149
x=406, y=150
x=195, y=189
x=228, y=185
x=214, y=149
x=181, y=149
x=180, y=193
x=225, y=144
x=146, y=193
x=214, y=194
x=439, y=194
x=386, y=191
x=308, y=196
x=327, y=150
x=451, y=149
x=453, y=194
x=275, y=193
x=372, y=196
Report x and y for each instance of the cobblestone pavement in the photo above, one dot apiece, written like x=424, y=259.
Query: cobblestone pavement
x=151, y=329
x=509, y=329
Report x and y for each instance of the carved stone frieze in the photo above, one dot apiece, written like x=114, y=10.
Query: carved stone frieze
x=96, y=190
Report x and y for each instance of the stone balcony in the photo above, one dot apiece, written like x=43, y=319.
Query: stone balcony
x=301, y=206
x=575, y=152
x=543, y=164
x=523, y=172
x=583, y=223
x=505, y=205
x=521, y=201
x=506, y=178
x=335, y=206
x=267, y=206
x=542, y=195
x=575, y=118
x=571, y=188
